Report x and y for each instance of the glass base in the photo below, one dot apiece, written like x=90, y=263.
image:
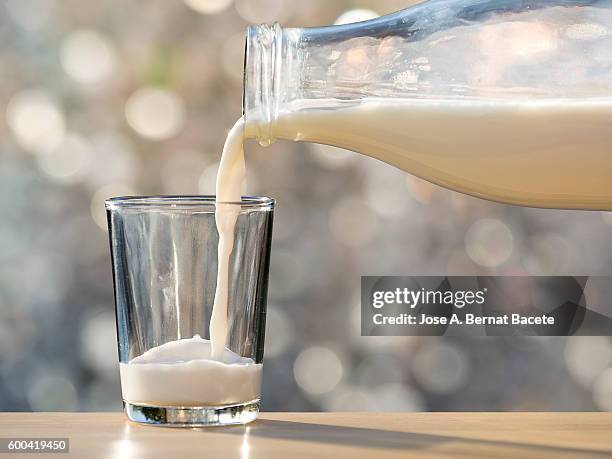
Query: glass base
x=181, y=416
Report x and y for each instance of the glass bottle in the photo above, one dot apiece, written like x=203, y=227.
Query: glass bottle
x=504, y=100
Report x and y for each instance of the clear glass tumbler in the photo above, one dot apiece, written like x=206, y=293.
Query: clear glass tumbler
x=164, y=258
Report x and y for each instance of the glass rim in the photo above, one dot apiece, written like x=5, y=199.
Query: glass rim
x=185, y=201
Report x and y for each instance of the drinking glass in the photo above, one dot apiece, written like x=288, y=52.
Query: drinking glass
x=164, y=260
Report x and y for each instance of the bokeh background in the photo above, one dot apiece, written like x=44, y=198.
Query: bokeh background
x=121, y=97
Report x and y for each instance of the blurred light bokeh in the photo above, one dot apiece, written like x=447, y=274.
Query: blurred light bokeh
x=122, y=97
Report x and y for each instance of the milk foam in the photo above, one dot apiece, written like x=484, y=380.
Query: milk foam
x=182, y=373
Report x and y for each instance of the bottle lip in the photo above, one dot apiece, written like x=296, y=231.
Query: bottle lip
x=261, y=78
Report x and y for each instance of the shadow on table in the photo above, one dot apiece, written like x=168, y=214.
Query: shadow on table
x=378, y=438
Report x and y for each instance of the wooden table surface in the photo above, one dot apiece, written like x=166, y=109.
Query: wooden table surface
x=321, y=435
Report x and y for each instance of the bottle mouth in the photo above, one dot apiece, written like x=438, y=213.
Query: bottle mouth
x=261, y=80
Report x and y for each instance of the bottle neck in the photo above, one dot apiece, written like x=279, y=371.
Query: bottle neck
x=263, y=73
x=287, y=69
